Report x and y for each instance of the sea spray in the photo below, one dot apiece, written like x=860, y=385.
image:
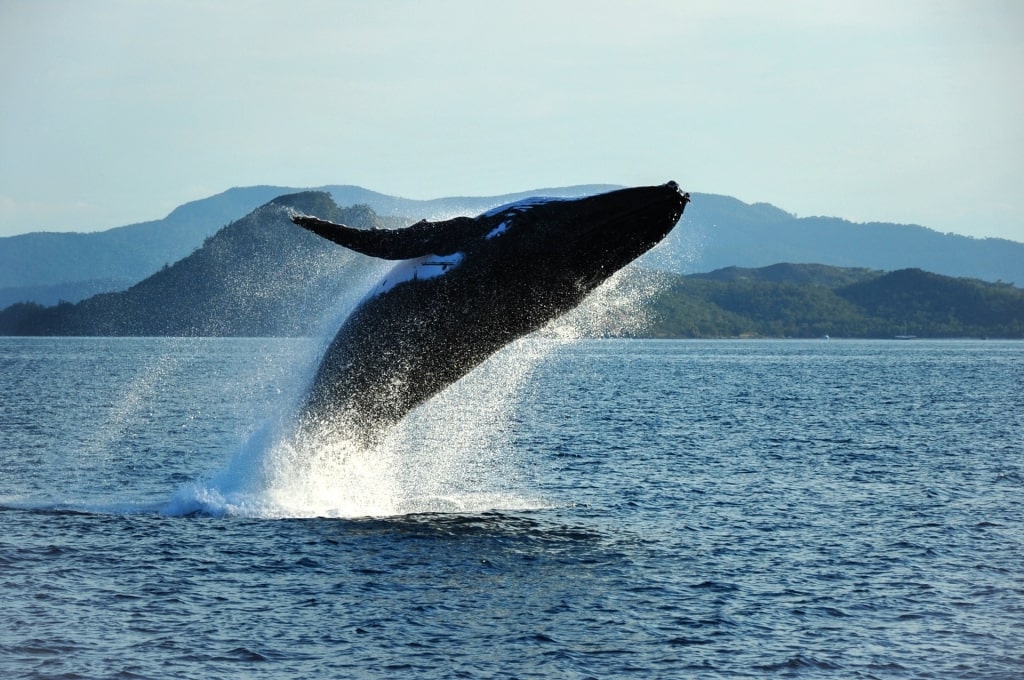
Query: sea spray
x=455, y=453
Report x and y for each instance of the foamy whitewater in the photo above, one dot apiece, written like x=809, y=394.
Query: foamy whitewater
x=448, y=455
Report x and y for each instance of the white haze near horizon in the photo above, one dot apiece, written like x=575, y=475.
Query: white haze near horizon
x=117, y=111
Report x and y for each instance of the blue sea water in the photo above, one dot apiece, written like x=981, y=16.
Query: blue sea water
x=587, y=509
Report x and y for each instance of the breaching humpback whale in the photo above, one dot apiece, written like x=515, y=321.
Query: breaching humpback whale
x=466, y=288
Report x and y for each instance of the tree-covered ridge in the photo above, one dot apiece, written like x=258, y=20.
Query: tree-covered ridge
x=807, y=301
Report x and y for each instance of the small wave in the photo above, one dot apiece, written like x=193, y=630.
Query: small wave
x=799, y=662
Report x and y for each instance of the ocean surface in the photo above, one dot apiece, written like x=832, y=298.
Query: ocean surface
x=574, y=509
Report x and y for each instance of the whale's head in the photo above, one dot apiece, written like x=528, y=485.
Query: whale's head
x=585, y=240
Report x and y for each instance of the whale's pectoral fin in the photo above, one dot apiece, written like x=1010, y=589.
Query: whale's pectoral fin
x=367, y=242
x=422, y=238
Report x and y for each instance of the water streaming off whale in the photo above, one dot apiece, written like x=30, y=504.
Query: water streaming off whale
x=453, y=454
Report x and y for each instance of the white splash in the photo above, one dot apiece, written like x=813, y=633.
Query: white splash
x=453, y=454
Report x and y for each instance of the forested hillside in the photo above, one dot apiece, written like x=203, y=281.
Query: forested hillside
x=806, y=301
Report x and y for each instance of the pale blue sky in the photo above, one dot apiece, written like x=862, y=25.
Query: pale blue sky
x=115, y=112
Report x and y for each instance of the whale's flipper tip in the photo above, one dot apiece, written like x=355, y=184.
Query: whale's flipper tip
x=329, y=230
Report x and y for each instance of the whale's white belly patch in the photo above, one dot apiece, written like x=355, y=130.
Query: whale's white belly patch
x=418, y=269
x=497, y=231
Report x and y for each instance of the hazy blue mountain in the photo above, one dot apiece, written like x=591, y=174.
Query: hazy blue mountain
x=717, y=231
x=125, y=253
x=260, y=275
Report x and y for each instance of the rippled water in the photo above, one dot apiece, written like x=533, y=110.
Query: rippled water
x=588, y=509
